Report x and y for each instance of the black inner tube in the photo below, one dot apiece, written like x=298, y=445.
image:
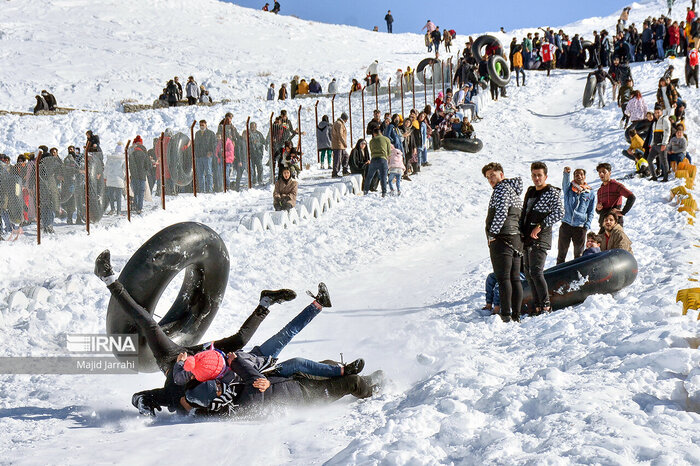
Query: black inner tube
x=189, y=246
x=572, y=282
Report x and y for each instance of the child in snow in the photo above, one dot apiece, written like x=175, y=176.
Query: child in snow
x=641, y=164
x=396, y=169
x=493, y=296
x=592, y=244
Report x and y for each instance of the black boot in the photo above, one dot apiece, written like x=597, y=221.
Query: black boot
x=103, y=266
x=278, y=296
x=515, y=317
x=323, y=297
x=505, y=317
x=145, y=404
x=354, y=367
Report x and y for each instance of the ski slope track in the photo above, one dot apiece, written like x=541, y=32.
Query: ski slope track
x=615, y=380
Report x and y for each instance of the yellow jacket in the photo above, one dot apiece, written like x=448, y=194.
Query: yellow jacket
x=303, y=88
x=517, y=60
x=636, y=143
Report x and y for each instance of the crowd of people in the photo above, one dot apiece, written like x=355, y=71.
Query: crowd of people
x=173, y=93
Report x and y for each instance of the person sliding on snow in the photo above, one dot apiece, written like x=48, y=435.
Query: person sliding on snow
x=542, y=208
x=206, y=363
x=503, y=236
x=600, y=77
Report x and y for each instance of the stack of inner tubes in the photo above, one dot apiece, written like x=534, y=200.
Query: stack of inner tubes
x=498, y=68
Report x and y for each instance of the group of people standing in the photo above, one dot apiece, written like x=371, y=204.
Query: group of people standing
x=519, y=233
x=173, y=92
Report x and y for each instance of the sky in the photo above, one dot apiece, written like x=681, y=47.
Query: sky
x=464, y=16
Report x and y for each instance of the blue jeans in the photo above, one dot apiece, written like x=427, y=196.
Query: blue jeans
x=139, y=188
x=423, y=154
x=377, y=165
x=660, y=49
x=5, y=217
x=205, y=175
x=306, y=366
x=276, y=343
x=114, y=195
x=519, y=72
x=397, y=177
x=493, y=296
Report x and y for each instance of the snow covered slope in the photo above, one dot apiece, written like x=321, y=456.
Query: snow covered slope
x=613, y=381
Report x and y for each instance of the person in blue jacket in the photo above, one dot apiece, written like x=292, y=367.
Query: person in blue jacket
x=579, y=209
x=393, y=133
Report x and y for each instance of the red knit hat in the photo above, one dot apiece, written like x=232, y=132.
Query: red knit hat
x=206, y=365
x=138, y=140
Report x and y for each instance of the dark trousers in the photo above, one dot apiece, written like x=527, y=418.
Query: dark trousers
x=191, y=100
x=388, y=28
x=163, y=348
x=506, y=267
x=340, y=161
x=567, y=235
x=534, y=274
x=335, y=388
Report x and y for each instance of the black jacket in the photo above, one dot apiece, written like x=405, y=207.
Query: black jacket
x=546, y=211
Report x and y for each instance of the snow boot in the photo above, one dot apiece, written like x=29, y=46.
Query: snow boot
x=147, y=409
x=354, y=367
x=103, y=266
x=322, y=297
x=505, y=317
x=271, y=297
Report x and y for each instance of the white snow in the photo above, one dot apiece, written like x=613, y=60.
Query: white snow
x=615, y=380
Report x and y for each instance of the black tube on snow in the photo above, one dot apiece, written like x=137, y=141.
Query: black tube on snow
x=572, y=282
x=503, y=78
x=642, y=127
x=428, y=63
x=189, y=246
x=480, y=43
x=589, y=91
x=180, y=160
x=472, y=145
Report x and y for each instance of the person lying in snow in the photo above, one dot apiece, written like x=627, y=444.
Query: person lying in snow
x=186, y=367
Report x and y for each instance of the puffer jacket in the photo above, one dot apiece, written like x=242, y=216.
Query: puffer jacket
x=230, y=150
x=323, y=135
x=504, y=209
x=636, y=109
x=579, y=208
x=547, y=211
x=115, y=171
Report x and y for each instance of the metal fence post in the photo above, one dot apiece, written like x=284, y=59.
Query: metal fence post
x=389, y=84
x=333, y=108
x=194, y=164
x=442, y=78
x=376, y=94
x=162, y=171
x=350, y=112
x=301, y=156
x=318, y=152
x=37, y=199
x=272, y=152
x=425, y=89
x=128, y=180
x=413, y=87
x=223, y=147
x=432, y=78
x=402, y=110
x=449, y=69
x=87, y=188
x=247, y=149
x=364, y=135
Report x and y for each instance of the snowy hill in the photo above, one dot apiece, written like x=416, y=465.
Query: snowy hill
x=615, y=380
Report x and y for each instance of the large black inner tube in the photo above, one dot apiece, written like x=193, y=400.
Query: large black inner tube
x=179, y=160
x=429, y=63
x=481, y=42
x=501, y=78
x=472, y=145
x=189, y=246
x=572, y=282
x=590, y=59
x=642, y=128
x=589, y=91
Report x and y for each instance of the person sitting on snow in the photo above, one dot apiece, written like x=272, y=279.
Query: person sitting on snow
x=592, y=244
x=614, y=236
